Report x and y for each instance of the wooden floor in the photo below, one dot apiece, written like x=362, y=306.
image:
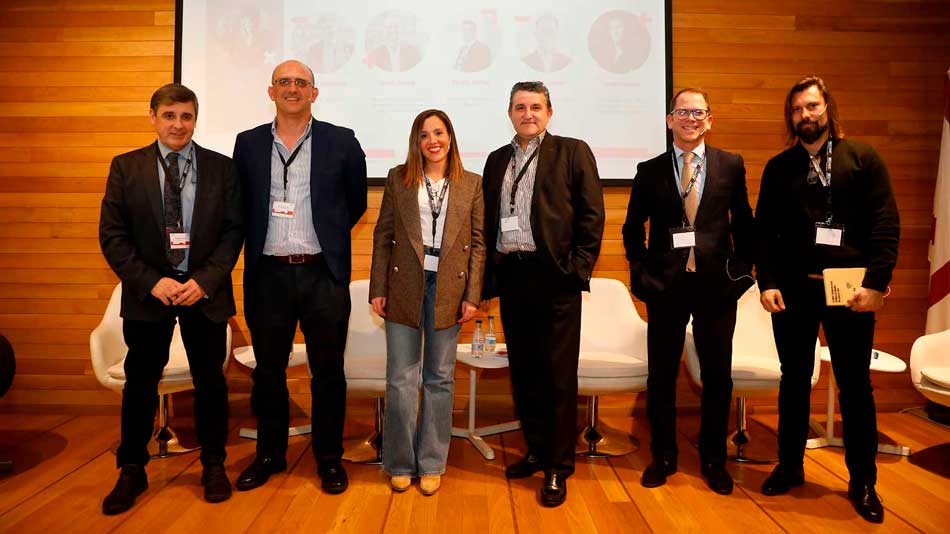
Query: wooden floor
x=64, y=467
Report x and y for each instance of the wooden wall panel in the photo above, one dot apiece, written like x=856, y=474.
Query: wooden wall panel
x=76, y=75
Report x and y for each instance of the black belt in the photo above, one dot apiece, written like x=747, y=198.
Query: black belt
x=295, y=259
x=430, y=251
x=520, y=255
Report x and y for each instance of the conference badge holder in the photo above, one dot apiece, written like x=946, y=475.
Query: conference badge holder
x=179, y=240
x=828, y=234
x=684, y=237
x=510, y=224
x=284, y=210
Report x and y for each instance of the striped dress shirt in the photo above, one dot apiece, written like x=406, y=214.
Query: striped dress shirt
x=297, y=235
x=521, y=239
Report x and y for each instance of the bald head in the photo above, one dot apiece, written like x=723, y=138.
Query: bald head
x=294, y=63
x=292, y=90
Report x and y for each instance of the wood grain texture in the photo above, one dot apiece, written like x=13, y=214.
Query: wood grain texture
x=76, y=75
x=63, y=469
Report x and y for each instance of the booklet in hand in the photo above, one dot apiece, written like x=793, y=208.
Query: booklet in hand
x=841, y=284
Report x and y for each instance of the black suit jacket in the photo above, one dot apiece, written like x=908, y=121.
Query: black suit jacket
x=567, y=208
x=132, y=232
x=337, y=192
x=723, y=226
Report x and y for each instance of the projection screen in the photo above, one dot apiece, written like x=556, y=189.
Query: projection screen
x=378, y=64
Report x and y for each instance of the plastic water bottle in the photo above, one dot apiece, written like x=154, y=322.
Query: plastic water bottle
x=490, y=336
x=478, y=341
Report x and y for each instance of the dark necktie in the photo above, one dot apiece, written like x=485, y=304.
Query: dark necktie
x=173, y=221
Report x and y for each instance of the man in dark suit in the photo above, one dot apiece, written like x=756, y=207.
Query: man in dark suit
x=304, y=188
x=170, y=228
x=701, y=243
x=544, y=217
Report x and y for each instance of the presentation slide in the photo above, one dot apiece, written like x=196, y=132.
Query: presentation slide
x=378, y=64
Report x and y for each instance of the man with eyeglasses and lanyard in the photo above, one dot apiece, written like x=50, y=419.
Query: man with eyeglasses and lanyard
x=544, y=218
x=304, y=190
x=698, y=264
x=826, y=202
x=170, y=228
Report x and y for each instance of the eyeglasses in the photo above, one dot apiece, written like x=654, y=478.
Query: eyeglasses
x=682, y=114
x=299, y=82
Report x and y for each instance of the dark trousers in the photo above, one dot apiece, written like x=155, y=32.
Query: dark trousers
x=850, y=338
x=714, y=321
x=541, y=316
x=279, y=297
x=206, y=346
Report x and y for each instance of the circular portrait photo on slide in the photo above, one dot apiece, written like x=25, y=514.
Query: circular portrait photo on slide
x=394, y=41
x=619, y=41
x=324, y=41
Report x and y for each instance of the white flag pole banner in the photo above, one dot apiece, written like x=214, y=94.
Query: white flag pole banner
x=938, y=299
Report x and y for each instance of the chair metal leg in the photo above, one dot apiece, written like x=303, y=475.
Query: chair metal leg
x=598, y=441
x=370, y=450
x=739, y=439
x=164, y=441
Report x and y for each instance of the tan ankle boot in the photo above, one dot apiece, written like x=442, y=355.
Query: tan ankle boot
x=400, y=483
x=430, y=484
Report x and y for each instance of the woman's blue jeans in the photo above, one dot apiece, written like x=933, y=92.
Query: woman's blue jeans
x=416, y=433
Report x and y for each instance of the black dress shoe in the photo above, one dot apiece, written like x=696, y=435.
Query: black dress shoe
x=259, y=471
x=216, y=483
x=866, y=502
x=524, y=467
x=333, y=477
x=717, y=478
x=132, y=482
x=655, y=474
x=782, y=480
x=554, y=490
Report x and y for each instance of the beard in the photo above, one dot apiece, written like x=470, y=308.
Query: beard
x=809, y=132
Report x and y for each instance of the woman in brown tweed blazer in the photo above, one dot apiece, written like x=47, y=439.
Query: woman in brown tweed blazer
x=428, y=257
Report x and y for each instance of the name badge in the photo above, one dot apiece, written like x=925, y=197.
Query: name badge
x=828, y=234
x=510, y=224
x=283, y=209
x=431, y=263
x=683, y=237
x=179, y=240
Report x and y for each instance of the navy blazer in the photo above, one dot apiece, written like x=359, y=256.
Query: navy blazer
x=132, y=232
x=567, y=209
x=724, y=232
x=337, y=192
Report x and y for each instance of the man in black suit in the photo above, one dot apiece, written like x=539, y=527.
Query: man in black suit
x=701, y=243
x=304, y=185
x=544, y=220
x=825, y=202
x=170, y=228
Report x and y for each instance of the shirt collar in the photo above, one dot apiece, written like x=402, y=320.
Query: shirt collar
x=700, y=151
x=185, y=151
x=535, y=141
x=306, y=132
